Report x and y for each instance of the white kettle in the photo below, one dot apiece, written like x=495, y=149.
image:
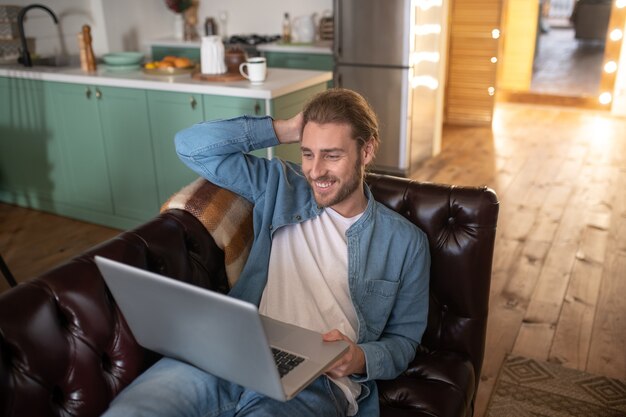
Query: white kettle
x=212, y=55
x=304, y=28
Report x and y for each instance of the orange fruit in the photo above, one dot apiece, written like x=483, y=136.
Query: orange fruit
x=164, y=64
x=182, y=62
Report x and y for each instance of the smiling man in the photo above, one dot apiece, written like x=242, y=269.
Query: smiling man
x=325, y=256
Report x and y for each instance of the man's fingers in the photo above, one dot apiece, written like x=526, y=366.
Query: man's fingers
x=333, y=335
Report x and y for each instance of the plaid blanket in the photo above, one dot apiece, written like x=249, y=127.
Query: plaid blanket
x=226, y=216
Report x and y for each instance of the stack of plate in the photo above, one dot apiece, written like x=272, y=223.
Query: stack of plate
x=122, y=61
x=327, y=28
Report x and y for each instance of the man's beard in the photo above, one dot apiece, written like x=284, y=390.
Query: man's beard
x=347, y=187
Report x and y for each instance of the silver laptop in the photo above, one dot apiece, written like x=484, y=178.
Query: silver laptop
x=219, y=334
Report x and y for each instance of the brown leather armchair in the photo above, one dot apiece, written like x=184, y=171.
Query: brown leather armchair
x=65, y=349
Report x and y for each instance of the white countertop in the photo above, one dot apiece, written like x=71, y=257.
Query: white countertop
x=280, y=81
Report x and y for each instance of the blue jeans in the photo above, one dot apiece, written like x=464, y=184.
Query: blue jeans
x=174, y=389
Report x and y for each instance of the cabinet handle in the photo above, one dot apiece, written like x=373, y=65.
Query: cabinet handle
x=98, y=94
x=257, y=108
x=193, y=102
x=88, y=93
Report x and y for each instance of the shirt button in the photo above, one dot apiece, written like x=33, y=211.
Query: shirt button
x=298, y=218
x=271, y=226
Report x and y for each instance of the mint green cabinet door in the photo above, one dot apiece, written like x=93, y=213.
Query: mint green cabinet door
x=82, y=145
x=129, y=154
x=169, y=113
x=222, y=107
x=30, y=172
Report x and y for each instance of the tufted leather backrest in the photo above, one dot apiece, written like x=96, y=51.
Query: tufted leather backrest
x=460, y=223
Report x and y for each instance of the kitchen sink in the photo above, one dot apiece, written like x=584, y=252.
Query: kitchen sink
x=54, y=61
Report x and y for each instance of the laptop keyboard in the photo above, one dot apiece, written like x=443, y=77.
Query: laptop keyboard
x=285, y=362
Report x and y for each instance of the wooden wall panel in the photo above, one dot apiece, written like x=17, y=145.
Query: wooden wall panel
x=519, y=41
x=470, y=70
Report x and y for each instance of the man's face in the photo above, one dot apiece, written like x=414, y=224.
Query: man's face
x=333, y=166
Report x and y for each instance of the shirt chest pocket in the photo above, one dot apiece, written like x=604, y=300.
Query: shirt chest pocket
x=380, y=297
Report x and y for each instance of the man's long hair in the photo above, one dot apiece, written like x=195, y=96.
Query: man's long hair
x=340, y=105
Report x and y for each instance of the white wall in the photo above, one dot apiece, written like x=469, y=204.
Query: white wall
x=262, y=16
x=127, y=25
x=72, y=14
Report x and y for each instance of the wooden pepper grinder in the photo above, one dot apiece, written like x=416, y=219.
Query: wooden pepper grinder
x=88, y=59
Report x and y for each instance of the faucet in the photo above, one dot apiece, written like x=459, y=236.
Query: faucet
x=25, y=58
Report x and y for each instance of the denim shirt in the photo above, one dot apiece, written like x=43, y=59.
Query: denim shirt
x=388, y=256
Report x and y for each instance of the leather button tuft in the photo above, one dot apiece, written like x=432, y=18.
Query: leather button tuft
x=57, y=395
x=106, y=362
x=451, y=220
x=64, y=321
x=159, y=264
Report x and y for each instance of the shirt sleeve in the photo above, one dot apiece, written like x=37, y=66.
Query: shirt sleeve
x=219, y=151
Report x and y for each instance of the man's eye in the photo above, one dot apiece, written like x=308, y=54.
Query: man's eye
x=307, y=155
x=332, y=157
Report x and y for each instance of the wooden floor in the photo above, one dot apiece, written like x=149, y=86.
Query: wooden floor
x=31, y=242
x=559, y=275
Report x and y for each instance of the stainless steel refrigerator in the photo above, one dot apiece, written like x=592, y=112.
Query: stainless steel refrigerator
x=390, y=51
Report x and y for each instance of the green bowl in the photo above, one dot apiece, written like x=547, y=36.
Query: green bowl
x=123, y=58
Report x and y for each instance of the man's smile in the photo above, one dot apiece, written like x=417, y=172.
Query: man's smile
x=323, y=184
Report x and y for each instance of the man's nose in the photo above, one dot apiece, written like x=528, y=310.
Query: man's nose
x=318, y=168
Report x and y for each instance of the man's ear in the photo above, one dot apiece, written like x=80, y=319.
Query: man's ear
x=367, y=151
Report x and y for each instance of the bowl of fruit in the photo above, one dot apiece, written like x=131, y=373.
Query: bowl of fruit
x=170, y=65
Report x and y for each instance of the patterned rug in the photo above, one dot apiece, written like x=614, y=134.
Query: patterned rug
x=529, y=388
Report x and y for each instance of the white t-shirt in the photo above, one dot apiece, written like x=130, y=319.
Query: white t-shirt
x=308, y=282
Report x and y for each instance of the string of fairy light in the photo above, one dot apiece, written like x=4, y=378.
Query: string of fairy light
x=612, y=52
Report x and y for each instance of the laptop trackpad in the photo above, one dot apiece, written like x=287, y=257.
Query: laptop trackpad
x=303, y=342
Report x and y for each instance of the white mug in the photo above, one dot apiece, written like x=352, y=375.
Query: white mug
x=256, y=69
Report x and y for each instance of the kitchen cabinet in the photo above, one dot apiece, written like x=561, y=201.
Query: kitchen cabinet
x=100, y=147
x=169, y=113
x=105, y=138
x=30, y=167
x=220, y=107
x=130, y=157
x=294, y=60
x=80, y=139
x=300, y=60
